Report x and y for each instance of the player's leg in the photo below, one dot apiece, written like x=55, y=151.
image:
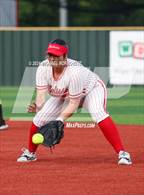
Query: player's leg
x=95, y=103
x=50, y=111
x=3, y=125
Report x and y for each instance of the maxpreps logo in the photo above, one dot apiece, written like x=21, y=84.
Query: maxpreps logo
x=130, y=49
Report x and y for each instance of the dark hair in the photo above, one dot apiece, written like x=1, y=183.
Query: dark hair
x=60, y=42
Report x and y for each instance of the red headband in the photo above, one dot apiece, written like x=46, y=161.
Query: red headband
x=57, y=49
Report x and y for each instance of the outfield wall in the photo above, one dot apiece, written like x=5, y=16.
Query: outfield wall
x=26, y=47
x=23, y=47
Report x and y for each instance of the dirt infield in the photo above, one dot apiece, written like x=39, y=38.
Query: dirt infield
x=84, y=163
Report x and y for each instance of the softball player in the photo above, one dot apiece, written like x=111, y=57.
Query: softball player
x=70, y=85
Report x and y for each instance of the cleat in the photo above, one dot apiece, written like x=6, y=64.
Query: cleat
x=27, y=156
x=3, y=127
x=124, y=158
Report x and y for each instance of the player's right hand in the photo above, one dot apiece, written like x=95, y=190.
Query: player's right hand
x=32, y=107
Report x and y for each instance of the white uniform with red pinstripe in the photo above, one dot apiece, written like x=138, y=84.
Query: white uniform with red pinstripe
x=75, y=81
x=76, y=85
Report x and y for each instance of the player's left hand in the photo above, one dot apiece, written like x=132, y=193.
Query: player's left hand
x=53, y=132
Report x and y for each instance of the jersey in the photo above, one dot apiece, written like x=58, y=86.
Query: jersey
x=74, y=82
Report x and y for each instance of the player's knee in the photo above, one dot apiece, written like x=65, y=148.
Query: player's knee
x=99, y=116
x=37, y=122
x=41, y=119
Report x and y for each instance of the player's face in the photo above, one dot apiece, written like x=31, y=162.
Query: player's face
x=57, y=60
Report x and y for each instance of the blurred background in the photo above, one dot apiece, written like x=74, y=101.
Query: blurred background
x=106, y=36
x=71, y=13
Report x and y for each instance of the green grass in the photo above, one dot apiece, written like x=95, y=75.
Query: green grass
x=128, y=109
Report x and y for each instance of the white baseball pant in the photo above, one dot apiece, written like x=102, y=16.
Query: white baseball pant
x=94, y=102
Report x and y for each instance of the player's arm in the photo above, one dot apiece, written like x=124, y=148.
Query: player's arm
x=76, y=86
x=41, y=89
x=70, y=109
x=75, y=94
x=40, y=98
x=39, y=101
